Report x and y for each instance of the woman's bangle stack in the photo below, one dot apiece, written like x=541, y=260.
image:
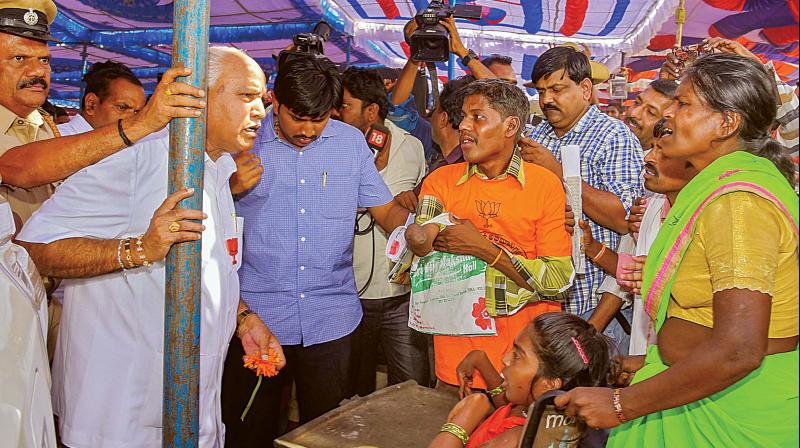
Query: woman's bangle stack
x=457, y=431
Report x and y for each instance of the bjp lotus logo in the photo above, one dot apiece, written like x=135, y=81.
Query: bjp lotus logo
x=487, y=210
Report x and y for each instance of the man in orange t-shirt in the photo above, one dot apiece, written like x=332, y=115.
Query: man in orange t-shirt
x=510, y=213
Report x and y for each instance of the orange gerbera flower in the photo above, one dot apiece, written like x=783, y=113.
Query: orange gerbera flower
x=264, y=365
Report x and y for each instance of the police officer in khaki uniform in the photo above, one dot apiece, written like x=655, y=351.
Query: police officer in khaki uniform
x=27, y=169
x=24, y=86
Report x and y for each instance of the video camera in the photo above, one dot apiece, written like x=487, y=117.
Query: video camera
x=307, y=43
x=431, y=41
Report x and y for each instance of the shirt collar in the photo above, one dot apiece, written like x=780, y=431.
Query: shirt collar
x=222, y=169
x=514, y=170
x=456, y=155
x=7, y=119
x=268, y=133
x=80, y=124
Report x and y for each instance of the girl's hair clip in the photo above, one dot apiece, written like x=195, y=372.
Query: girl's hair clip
x=580, y=350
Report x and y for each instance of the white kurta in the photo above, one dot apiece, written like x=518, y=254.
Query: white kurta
x=107, y=373
x=642, y=331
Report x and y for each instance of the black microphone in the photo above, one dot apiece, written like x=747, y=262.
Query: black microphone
x=377, y=137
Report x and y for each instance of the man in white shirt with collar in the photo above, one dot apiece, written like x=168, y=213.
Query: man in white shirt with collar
x=107, y=375
x=401, y=164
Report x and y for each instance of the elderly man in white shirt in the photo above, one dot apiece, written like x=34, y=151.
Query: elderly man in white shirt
x=107, y=374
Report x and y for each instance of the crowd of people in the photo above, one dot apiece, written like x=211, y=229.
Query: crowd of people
x=682, y=330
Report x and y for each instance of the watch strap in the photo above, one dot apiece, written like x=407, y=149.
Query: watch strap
x=469, y=57
x=243, y=315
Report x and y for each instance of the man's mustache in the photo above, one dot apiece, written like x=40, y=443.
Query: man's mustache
x=550, y=107
x=631, y=120
x=32, y=82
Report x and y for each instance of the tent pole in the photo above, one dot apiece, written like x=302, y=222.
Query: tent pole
x=680, y=19
x=187, y=141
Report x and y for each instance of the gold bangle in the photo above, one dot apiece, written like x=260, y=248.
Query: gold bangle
x=600, y=253
x=497, y=258
x=119, y=255
x=457, y=431
x=140, y=252
x=128, y=256
x=496, y=391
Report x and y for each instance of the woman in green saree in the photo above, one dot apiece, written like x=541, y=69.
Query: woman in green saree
x=720, y=281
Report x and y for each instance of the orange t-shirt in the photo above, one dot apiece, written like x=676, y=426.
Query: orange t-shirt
x=526, y=220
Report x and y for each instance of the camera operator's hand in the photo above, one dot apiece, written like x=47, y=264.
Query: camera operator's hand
x=456, y=46
x=409, y=29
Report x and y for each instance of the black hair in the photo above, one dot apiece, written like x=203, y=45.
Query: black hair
x=367, y=85
x=496, y=59
x=451, y=99
x=575, y=64
x=614, y=104
x=503, y=97
x=100, y=75
x=666, y=87
x=309, y=86
x=554, y=338
x=733, y=83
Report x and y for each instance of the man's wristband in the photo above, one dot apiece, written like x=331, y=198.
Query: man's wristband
x=122, y=135
x=243, y=315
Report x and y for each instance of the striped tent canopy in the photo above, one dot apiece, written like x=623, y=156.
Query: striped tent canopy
x=369, y=32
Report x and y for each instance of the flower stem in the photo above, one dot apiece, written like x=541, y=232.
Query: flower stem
x=252, y=397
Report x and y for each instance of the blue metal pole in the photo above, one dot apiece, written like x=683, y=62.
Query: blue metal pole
x=187, y=141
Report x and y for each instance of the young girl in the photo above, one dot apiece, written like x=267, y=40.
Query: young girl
x=555, y=351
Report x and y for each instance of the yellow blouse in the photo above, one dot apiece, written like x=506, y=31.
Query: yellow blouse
x=741, y=241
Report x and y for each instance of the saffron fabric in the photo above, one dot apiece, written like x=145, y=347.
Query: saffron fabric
x=521, y=211
x=499, y=422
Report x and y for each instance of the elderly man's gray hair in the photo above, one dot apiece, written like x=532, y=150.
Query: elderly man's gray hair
x=216, y=59
x=503, y=97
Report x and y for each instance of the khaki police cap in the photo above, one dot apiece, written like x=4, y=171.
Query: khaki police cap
x=28, y=18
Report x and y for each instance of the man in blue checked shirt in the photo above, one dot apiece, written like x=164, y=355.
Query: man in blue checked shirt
x=297, y=265
x=611, y=161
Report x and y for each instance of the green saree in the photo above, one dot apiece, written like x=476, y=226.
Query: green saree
x=762, y=408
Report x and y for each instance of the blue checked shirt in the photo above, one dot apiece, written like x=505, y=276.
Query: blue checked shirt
x=611, y=160
x=297, y=264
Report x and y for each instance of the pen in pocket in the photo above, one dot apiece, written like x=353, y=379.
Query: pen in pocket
x=324, y=179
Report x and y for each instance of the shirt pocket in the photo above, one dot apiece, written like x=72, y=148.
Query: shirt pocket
x=339, y=196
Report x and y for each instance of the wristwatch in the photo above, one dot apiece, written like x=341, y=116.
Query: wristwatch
x=243, y=315
x=469, y=57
